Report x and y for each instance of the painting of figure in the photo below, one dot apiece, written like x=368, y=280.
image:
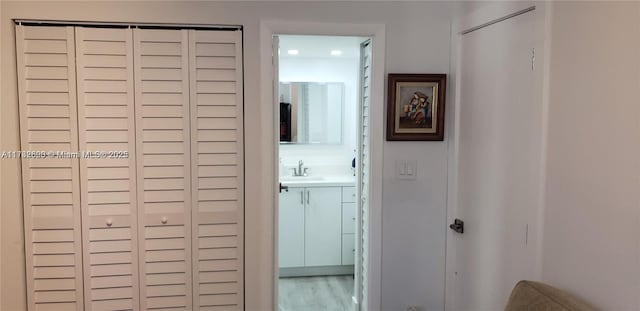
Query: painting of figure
x=418, y=109
x=415, y=107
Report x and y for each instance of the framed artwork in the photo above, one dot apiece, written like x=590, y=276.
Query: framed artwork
x=415, y=106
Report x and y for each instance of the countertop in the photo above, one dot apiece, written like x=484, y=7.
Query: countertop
x=318, y=181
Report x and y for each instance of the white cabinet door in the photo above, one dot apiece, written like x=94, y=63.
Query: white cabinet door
x=323, y=226
x=291, y=228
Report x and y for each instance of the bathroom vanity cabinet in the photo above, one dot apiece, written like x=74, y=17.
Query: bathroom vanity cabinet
x=317, y=229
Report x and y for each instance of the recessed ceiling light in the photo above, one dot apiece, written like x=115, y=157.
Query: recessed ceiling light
x=336, y=52
x=292, y=52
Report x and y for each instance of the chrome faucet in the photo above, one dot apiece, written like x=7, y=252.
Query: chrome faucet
x=301, y=170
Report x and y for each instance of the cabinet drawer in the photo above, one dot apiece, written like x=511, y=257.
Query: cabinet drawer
x=348, y=249
x=348, y=218
x=348, y=194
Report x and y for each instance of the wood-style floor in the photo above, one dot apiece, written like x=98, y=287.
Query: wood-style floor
x=318, y=293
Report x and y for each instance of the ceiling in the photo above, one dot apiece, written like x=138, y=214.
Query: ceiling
x=319, y=46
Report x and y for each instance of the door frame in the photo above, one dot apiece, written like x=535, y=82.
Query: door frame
x=488, y=14
x=266, y=276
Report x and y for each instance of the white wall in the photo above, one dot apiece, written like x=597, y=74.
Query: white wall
x=334, y=159
x=414, y=216
x=414, y=212
x=592, y=231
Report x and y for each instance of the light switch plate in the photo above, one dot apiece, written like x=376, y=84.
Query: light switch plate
x=406, y=169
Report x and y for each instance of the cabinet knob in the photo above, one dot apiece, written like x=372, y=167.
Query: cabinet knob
x=109, y=222
x=164, y=220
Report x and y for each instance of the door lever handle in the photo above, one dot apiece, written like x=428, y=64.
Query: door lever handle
x=457, y=226
x=285, y=188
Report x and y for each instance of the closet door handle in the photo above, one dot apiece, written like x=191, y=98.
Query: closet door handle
x=308, y=195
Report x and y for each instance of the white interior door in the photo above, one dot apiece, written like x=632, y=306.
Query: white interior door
x=499, y=124
x=363, y=172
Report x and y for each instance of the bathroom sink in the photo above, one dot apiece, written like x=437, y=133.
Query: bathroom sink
x=301, y=178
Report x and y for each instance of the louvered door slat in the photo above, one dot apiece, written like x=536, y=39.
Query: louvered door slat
x=105, y=113
x=51, y=194
x=217, y=168
x=164, y=172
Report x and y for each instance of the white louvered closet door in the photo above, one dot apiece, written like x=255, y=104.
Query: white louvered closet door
x=104, y=62
x=364, y=172
x=215, y=59
x=164, y=171
x=153, y=218
x=47, y=95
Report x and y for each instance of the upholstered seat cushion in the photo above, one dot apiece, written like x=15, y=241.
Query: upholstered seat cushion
x=529, y=295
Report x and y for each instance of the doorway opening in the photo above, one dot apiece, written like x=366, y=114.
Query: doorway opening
x=322, y=95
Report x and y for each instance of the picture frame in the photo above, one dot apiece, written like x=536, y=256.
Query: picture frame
x=416, y=107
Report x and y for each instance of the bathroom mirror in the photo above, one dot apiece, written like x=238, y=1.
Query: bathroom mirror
x=311, y=112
